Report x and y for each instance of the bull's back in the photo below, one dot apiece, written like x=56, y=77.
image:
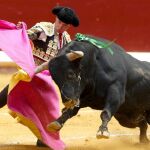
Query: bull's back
x=138, y=77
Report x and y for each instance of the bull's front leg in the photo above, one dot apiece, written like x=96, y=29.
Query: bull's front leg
x=143, y=132
x=114, y=99
x=66, y=114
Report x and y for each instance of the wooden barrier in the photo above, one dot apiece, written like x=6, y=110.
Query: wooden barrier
x=5, y=61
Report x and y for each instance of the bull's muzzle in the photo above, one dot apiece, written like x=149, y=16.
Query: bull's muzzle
x=71, y=104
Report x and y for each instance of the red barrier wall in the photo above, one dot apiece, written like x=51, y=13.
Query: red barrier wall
x=126, y=21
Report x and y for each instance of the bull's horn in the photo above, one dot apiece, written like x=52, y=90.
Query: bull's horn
x=74, y=55
x=42, y=67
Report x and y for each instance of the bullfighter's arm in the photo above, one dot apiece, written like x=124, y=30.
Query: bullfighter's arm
x=33, y=32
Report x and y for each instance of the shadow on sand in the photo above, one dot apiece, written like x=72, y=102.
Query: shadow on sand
x=22, y=147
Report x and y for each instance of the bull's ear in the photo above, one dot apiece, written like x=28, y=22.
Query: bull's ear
x=74, y=55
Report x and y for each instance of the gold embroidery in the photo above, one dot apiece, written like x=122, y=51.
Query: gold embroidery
x=41, y=55
x=47, y=27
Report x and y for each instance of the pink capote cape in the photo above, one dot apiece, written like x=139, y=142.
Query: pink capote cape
x=33, y=97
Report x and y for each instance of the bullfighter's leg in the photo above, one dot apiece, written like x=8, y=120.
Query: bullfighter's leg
x=58, y=124
x=143, y=132
x=115, y=98
x=3, y=97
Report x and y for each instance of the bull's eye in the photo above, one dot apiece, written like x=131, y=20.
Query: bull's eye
x=71, y=75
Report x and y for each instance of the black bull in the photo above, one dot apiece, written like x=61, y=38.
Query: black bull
x=115, y=83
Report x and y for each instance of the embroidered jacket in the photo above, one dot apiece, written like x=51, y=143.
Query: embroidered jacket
x=46, y=42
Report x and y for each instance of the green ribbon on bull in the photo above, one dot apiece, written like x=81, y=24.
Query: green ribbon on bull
x=97, y=43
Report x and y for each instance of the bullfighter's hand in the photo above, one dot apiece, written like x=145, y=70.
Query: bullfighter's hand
x=19, y=25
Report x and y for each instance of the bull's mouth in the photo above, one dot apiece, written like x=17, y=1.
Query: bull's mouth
x=71, y=104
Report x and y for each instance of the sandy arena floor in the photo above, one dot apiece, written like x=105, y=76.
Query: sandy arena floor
x=78, y=133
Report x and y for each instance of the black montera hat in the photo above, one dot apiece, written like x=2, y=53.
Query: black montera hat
x=66, y=15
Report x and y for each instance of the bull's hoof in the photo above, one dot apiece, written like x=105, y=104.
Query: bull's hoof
x=144, y=140
x=39, y=143
x=104, y=135
x=54, y=126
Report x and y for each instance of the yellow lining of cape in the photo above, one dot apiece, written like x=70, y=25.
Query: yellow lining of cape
x=26, y=122
x=21, y=75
